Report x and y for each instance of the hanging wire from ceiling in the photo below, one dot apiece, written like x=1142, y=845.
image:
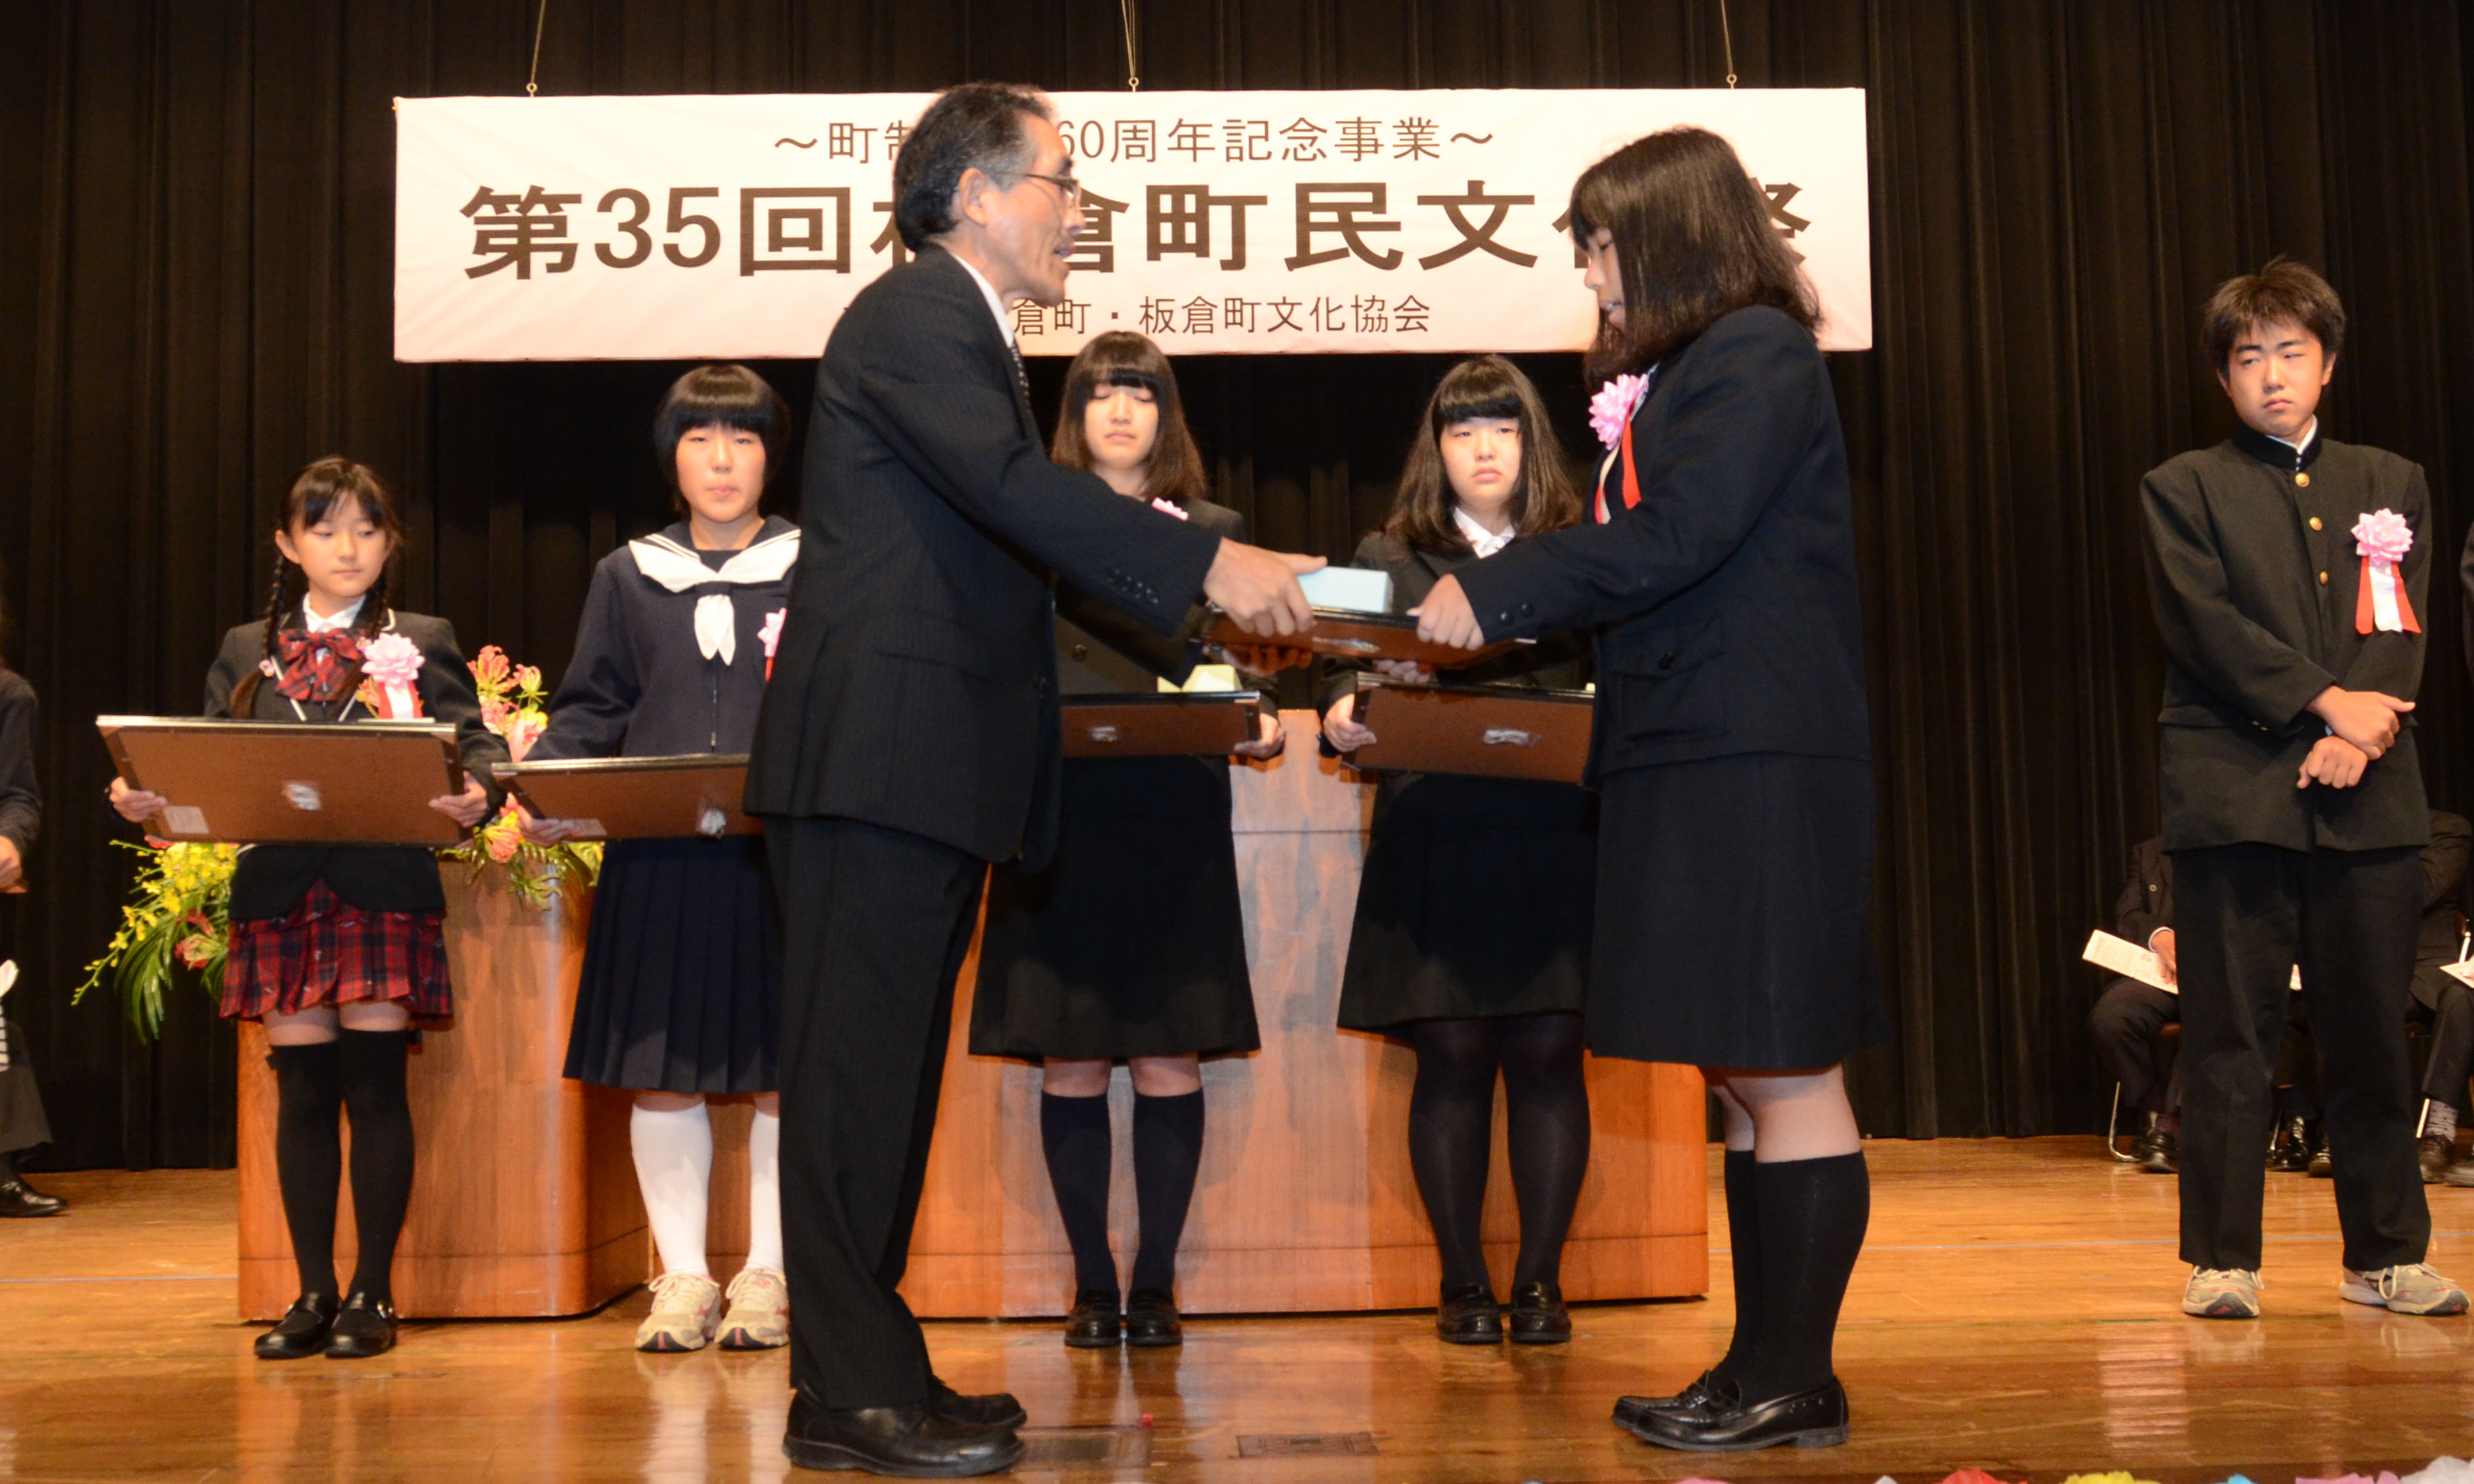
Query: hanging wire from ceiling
x=532, y=82
x=1726, y=33
x=1133, y=67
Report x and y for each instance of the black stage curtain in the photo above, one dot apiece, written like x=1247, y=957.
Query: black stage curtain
x=195, y=220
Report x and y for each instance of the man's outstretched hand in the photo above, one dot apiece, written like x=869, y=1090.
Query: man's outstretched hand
x=1259, y=588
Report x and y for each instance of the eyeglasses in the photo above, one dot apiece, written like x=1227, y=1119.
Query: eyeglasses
x=1071, y=187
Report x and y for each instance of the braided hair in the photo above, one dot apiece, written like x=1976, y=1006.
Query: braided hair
x=316, y=493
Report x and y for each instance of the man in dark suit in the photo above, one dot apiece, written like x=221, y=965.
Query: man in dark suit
x=2286, y=569
x=910, y=736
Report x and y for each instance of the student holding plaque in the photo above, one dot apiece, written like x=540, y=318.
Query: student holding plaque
x=1128, y=945
x=677, y=999
x=337, y=949
x=1732, y=748
x=1471, y=937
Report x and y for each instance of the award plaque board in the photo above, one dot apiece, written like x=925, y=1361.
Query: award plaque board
x=1183, y=724
x=1347, y=636
x=637, y=798
x=281, y=783
x=1542, y=734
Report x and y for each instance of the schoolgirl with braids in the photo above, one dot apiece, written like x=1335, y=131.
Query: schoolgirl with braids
x=338, y=950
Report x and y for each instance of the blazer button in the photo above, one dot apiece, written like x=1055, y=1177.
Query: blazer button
x=2302, y=479
x=1666, y=661
x=1529, y=611
x=2315, y=522
x=1082, y=651
x=2323, y=578
x=1503, y=617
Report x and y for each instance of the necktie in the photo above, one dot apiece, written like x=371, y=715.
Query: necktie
x=1020, y=373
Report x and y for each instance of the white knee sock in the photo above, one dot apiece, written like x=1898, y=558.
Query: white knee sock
x=765, y=1191
x=674, y=1166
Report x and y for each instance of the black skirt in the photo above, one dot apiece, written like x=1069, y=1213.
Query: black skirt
x=22, y=1124
x=1734, y=901
x=680, y=969
x=1476, y=900
x=1131, y=942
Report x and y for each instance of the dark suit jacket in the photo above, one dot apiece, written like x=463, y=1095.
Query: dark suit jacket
x=2254, y=577
x=1101, y=652
x=1726, y=601
x=2147, y=902
x=915, y=684
x=22, y=797
x=271, y=879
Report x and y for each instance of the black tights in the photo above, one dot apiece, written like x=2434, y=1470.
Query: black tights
x=1451, y=1119
x=360, y=1073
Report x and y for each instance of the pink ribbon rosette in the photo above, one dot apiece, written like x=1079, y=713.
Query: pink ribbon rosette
x=771, y=634
x=1171, y=508
x=392, y=664
x=2382, y=539
x=1611, y=410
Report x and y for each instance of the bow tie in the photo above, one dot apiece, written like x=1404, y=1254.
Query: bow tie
x=315, y=665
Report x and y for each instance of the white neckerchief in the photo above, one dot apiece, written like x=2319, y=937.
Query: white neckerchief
x=343, y=620
x=996, y=304
x=679, y=568
x=1482, y=542
x=2308, y=434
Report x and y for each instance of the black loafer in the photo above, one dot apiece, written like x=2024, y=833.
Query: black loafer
x=1151, y=1319
x=1629, y=1410
x=303, y=1332
x=1725, y=1423
x=1093, y=1324
x=1468, y=1316
x=995, y=1409
x=364, y=1327
x=2435, y=1154
x=20, y=1199
x=2158, y=1151
x=2291, y=1153
x=910, y=1441
x=1538, y=1316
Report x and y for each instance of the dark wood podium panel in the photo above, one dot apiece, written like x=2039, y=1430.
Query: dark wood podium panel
x=524, y=1198
x=1305, y=1200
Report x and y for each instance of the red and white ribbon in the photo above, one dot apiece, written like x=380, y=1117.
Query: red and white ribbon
x=2382, y=539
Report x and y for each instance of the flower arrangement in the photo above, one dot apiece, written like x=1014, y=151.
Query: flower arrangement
x=513, y=707
x=179, y=921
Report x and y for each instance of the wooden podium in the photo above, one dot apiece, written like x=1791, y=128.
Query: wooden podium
x=523, y=1194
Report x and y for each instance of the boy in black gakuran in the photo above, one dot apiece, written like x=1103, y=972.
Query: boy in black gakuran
x=2287, y=572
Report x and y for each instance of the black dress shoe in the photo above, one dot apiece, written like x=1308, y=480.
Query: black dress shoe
x=910, y=1441
x=2158, y=1152
x=2322, y=1167
x=1093, y=1324
x=995, y=1409
x=1468, y=1316
x=302, y=1333
x=20, y=1199
x=1150, y=1320
x=1629, y=1410
x=1725, y=1423
x=2435, y=1153
x=364, y=1327
x=2291, y=1153
x=1538, y=1316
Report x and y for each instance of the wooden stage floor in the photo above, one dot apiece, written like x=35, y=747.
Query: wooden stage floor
x=2015, y=1311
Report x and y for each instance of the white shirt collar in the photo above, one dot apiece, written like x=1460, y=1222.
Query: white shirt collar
x=342, y=620
x=1485, y=543
x=996, y=305
x=2309, y=433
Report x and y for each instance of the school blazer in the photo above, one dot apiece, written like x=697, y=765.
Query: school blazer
x=271, y=879
x=1725, y=603
x=914, y=687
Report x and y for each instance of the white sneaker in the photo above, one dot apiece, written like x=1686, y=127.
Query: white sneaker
x=685, y=1308
x=2407, y=1288
x=759, y=1311
x=2223, y=1293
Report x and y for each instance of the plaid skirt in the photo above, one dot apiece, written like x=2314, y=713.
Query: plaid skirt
x=326, y=951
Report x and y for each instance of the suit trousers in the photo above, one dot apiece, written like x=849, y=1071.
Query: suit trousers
x=2450, y=1019
x=2124, y=1025
x=2244, y=917
x=875, y=924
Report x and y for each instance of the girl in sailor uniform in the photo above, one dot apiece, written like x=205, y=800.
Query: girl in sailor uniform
x=677, y=998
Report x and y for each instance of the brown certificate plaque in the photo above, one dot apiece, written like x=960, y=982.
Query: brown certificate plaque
x=282, y=783
x=637, y=798
x=1348, y=635
x=1542, y=734
x=1180, y=724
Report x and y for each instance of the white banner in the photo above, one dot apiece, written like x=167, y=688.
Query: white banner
x=1229, y=223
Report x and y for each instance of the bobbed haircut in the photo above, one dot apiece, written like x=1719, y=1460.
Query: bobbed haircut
x=1122, y=358
x=2284, y=292
x=1693, y=240
x=1485, y=388
x=728, y=395
x=977, y=124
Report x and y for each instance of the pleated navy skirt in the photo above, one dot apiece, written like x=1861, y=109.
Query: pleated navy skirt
x=681, y=969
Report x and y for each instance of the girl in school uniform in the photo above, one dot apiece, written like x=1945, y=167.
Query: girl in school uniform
x=680, y=965
x=1129, y=945
x=1471, y=936
x=338, y=950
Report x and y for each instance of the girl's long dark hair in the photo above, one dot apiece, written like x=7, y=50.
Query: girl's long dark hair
x=1123, y=358
x=322, y=487
x=1483, y=387
x=1694, y=242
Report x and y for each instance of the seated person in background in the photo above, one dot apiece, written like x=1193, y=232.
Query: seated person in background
x=2441, y=1004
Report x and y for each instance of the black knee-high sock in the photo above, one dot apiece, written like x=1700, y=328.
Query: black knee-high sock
x=373, y=1098
x=1074, y=1130
x=1451, y=1123
x=1167, y=1151
x=1814, y=1215
x=308, y=1155
x=1744, y=1239
x=1548, y=1129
